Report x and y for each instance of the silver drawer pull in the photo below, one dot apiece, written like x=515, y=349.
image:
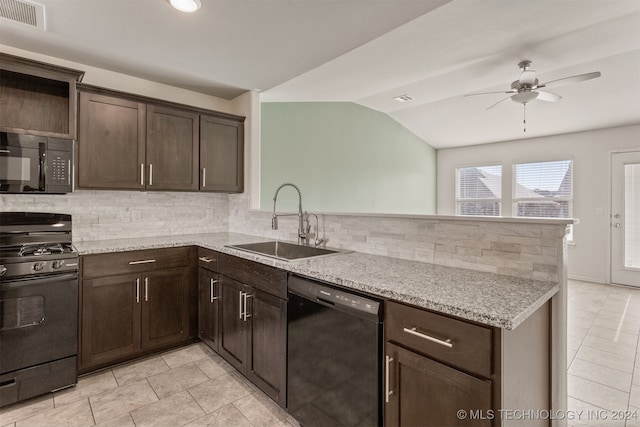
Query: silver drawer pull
x=413, y=331
x=206, y=259
x=387, y=391
x=144, y=261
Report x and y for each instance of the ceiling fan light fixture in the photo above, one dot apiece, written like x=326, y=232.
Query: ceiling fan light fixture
x=524, y=97
x=186, y=5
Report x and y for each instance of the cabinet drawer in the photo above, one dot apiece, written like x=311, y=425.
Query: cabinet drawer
x=134, y=261
x=263, y=277
x=208, y=259
x=454, y=342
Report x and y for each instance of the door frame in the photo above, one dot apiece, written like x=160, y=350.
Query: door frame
x=610, y=212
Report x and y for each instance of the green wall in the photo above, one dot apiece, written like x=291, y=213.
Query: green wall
x=345, y=158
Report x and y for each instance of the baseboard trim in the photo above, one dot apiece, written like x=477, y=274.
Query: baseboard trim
x=587, y=279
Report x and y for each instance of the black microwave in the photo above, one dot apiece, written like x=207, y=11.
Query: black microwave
x=35, y=164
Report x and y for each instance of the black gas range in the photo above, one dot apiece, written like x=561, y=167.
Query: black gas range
x=38, y=305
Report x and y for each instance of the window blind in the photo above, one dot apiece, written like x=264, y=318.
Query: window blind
x=479, y=190
x=543, y=189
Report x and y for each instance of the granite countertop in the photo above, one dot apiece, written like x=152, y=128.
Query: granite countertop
x=487, y=298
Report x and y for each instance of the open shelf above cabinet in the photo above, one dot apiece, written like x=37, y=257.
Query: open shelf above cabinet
x=37, y=98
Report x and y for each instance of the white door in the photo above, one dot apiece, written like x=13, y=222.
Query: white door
x=625, y=218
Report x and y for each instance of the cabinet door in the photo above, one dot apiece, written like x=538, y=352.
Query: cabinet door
x=172, y=148
x=221, y=154
x=110, y=320
x=233, y=325
x=165, y=308
x=268, y=344
x=427, y=393
x=111, y=141
x=208, y=311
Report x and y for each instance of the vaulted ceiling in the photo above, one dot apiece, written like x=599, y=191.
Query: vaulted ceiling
x=368, y=52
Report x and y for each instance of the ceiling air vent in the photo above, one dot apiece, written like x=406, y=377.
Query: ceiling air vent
x=23, y=12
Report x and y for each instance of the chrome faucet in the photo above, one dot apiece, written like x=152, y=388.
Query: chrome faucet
x=302, y=233
x=316, y=241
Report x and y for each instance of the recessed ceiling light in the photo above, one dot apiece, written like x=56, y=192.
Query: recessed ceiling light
x=186, y=5
x=403, y=98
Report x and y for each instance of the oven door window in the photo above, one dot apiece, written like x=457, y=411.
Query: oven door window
x=21, y=312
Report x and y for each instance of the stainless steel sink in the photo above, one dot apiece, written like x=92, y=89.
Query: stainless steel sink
x=284, y=250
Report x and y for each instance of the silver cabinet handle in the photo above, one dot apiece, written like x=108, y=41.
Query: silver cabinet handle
x=150, y=173
x=144, y=261
x=146, y=289
x=137, y=290
x=413, y=331
x=204, y=177
x=211, y=283
x=245, y=316
x=205, y=259
x=240, y=302
x=5, y=151
x=387, y=386
x=141, y=173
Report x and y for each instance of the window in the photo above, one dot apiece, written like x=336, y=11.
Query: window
x=543, y=189
x=479, y=190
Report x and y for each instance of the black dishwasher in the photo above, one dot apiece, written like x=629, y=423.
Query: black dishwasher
x=334, y=355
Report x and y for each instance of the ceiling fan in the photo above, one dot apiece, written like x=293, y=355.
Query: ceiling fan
x=527, y=87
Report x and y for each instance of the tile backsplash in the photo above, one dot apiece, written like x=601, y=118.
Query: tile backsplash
x=529, y=250
x=100, y=215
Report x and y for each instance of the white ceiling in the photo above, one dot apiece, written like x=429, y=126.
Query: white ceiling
x=369, y=51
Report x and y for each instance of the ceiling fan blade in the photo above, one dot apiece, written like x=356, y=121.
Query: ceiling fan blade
x=548, y=96
x=489, y=93
x=572, y=79
x=493, y=105
x=527, y=78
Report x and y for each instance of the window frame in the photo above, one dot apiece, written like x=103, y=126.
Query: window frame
x=459, y=200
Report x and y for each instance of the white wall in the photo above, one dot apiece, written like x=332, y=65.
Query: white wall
x=125, y=83
x=590, y=152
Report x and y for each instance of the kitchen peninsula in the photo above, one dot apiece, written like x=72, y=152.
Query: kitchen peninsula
x=521, y=316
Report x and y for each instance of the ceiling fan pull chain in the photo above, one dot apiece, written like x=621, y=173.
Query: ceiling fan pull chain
x=524, y=121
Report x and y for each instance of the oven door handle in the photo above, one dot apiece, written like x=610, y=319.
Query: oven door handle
x=32, y=281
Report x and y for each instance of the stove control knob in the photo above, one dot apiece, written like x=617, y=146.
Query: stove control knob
x=3, y=270
x=38, y=266
x=57, y=264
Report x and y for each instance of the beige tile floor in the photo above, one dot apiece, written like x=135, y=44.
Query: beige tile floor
x=603, y=355
x=193, y=386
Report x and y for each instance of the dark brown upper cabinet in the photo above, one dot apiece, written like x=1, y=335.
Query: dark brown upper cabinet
x=111, y=142
x=221, y=154
x=172, y=148
x=128, y=142
x=37, y=98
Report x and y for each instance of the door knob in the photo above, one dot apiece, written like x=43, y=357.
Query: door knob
x=616, y=225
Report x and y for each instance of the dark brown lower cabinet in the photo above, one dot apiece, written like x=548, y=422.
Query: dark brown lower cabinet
x=165, y=308
x=110, y=320
x=130, y=306
x=422, y=392
x=209, y=308
x=233, y=328
x=267, y=363
x=253, y=335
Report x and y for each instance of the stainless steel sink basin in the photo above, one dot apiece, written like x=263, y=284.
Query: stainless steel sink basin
x=284, y=250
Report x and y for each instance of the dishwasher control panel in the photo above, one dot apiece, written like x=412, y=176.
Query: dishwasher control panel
x=339, y=298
